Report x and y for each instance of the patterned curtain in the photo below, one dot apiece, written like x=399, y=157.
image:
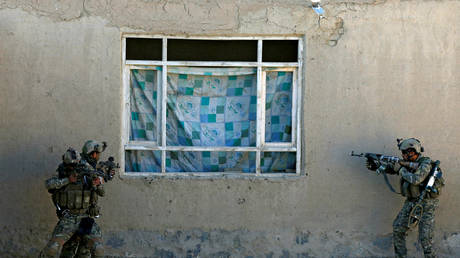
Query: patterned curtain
x=209, y=107
x=215, y=108
x=143, y=105
x=278, y=107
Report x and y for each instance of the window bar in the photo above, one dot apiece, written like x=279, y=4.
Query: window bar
x=128, y=104
x=149, y=146
x=259, y=106
x=294, y=109
x=126, y=107
x=211, y=63
x=140, y=35
x=299, y=105
x=159, y=106
x=295, y=118
x=164, y=90
x=143, y=62
x=262, y=110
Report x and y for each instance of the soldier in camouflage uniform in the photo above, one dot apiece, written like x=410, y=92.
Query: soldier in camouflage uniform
x=76, y=198
x=67, y=169
x=412, y=183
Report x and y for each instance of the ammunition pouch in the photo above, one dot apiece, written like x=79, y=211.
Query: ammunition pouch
x=409, y=190
x=73, y=197
x=415, y=190
x=94, y=210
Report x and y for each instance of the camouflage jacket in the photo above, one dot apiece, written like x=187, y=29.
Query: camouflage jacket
x=58, y=185
x=412, y=181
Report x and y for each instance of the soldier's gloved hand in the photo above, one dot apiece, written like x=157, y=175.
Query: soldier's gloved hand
x=112, y=172
x=97, y=181
x=370, y=165
x=72, y=178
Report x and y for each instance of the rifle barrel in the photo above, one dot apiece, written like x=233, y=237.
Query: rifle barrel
x=356, y=155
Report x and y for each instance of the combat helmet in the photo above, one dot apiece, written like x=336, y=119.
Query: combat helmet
x=92, y=145
x=410, y=143
x=71, y=157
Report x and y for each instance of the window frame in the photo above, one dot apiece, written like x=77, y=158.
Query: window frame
x=262, y=68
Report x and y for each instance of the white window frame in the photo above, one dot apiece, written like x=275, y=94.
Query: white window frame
x=261, y=145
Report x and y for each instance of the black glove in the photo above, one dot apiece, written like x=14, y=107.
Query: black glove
x=371, y=165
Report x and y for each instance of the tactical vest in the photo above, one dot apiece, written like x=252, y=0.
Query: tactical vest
x=73, y=197
x=413, y=191
x=409, y=190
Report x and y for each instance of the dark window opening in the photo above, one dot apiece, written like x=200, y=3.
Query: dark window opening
x=280, y=50
x=212, y=50
x=143, y=49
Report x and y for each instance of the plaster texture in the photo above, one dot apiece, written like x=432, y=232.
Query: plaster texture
x=374, y=71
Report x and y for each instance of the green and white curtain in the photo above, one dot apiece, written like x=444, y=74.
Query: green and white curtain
x=210, y=107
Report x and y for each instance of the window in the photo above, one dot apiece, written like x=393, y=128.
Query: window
x=211, y=105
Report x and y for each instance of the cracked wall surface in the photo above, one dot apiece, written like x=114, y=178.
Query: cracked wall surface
x=374, y=71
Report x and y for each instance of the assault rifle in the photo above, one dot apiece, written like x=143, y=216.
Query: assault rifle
x=103, y=169
x=107, y=167
x=86, y=175
x=379, y=162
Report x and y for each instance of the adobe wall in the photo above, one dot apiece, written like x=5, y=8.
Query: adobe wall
x=374, y=71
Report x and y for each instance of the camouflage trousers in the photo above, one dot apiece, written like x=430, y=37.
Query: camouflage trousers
x=80, y=245
x=425, y=227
